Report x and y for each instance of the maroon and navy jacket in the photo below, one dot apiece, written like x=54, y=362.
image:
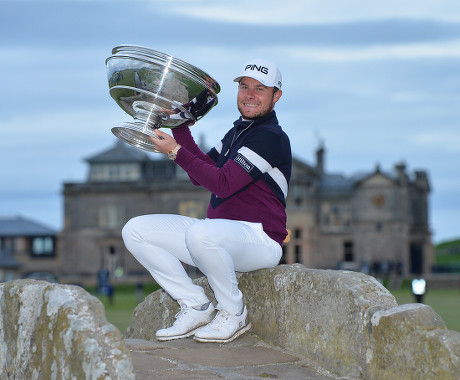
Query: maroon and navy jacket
x=247, y=172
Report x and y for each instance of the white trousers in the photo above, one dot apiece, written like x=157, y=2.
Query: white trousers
x=218, y=247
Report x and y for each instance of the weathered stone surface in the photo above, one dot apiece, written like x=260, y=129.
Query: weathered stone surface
x=412, y=342
x=321, y=314
x=52, y=331
x=344, y=322
x=156, y=312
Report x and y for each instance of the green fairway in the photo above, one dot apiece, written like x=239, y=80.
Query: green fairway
x=125, y=299
x=445, y=302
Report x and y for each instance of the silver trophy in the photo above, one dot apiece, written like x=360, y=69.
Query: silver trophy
x=157, y=90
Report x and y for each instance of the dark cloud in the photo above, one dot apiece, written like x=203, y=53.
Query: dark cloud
x=84, y=23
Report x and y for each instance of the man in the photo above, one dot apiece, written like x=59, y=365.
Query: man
x=248, y=174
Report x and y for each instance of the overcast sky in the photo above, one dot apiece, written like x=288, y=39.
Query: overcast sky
x=378, y=82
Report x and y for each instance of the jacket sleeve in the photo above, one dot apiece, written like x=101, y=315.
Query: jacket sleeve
x=222, y=182
x=184, y=137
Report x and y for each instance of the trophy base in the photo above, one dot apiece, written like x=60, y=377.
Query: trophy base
x=136, y=135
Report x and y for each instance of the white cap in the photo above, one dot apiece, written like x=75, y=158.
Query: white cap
x=264, y=71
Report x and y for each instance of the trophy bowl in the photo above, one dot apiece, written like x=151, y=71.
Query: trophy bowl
x=157, y=90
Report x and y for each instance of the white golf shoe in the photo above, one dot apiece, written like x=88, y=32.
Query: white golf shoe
x=188, y=320
x=224, y=327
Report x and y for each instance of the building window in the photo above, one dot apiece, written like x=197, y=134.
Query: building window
x=348, y=251
x=298, y=233
x=7, y=243
x=42, y=246
x=111, y=216
x=335, y=217
x=192, y=209
x=115, y=172
x=298, y=254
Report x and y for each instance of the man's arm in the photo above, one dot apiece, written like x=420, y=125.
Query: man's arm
x=184, y=137
x=222, y=182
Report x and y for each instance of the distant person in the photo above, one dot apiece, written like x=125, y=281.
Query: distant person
x=248, y=173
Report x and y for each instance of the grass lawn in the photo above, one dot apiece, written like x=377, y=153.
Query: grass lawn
x=445, y=302
x=125, y=299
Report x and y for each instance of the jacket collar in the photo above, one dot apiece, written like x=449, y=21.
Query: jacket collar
x=240, y=123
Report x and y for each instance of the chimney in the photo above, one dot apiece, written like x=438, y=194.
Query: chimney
x=320, y=158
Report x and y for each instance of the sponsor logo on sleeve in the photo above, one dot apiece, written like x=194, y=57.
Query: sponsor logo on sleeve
x=245, y=164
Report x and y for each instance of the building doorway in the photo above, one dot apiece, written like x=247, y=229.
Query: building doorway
x=416, y=258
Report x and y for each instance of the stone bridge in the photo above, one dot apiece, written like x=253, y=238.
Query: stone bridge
x=346, y=323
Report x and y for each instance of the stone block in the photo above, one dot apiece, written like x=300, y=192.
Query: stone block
x=320, y=314
x=343, y=323
x=53, y=331
x=411, y=342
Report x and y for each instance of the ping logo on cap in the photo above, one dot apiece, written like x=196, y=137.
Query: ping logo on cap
x=262, y=69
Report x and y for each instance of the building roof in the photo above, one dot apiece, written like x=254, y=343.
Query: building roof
x=335, y=183
x=119, y=153
x=18, y=226
x=303, y=166
x=362, y=176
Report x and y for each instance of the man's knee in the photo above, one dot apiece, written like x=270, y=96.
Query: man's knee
x=198, y=236
x=131, y=226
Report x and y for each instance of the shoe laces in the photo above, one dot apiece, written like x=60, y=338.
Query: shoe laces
x=180, y=313
x=221, y=317
x=183, y=310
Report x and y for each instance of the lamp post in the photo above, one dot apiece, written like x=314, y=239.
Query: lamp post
x=418, y=289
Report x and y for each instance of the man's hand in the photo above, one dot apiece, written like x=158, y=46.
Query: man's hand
x=165, y=143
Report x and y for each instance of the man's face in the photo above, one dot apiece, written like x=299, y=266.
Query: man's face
x=254, y=99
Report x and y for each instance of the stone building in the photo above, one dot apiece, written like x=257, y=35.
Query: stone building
x=27, y=249
x=375, y=222
x=122, y=182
